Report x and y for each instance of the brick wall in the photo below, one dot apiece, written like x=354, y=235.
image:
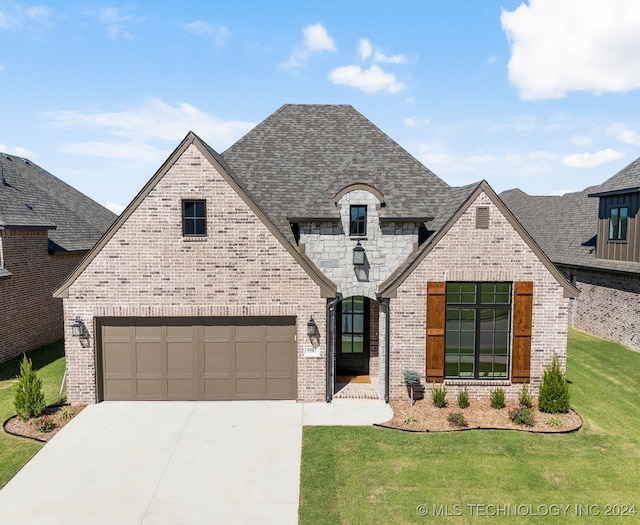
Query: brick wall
x=470, y=254
x=608, y=306
x=29, y=316
x=149, y=269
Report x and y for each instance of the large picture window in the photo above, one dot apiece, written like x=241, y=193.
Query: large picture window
x=618, y=224
x=477, y=330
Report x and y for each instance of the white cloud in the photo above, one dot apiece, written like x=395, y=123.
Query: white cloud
x=19, y=151
x=624, y=134
x=581, y=140
x=493, y=59
x=573, y=45
x=369, y=80
x=142, y=133
x=591, y=160
x=32, y=19
x=379, y=56
x=411, y=122
x=114, y=19
x=4, y=21
x=315, y=40
x=541, y=155
x=114, y=207
x=364, y=49
x=220, y=34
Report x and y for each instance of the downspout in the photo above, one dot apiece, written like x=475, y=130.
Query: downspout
x=331, y=304
x=387, y=349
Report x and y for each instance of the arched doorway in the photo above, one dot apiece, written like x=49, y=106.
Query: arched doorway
x=353, y=336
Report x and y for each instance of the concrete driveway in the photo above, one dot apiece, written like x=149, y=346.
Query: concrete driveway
x=174, y=463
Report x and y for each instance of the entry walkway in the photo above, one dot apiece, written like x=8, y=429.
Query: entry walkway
x=175, y=463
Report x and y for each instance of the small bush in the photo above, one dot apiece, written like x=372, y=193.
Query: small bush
x=554, y=390
x=524, y=397
x=411, y=419
x=522, y=415
x=439, y=395
x=29, y=397
x=497, y=398
x=456, y=419
x=412, y=379
x=463, y=398
x=44, y=424
x=554, y=422
x=66, y=413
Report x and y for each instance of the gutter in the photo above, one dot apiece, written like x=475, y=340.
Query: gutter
x=387, y=349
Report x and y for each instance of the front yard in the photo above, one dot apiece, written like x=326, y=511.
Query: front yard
x=356, y=475
x=48, y=361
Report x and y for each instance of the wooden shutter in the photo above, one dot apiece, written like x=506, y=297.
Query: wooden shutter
x=436, y=307
x=522, y=321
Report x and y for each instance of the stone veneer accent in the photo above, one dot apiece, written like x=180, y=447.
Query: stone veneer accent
x=608, y=306
x=31, y=317
x=469, y=254
x=331, y=248
x=149, y=269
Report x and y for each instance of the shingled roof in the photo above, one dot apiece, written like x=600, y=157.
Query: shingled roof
x=296, y=160
x=566, y=226
x=31, y=197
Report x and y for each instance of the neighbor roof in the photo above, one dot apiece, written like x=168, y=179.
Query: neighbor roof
x=31, y=197
x=566, y=226
x=298, y=158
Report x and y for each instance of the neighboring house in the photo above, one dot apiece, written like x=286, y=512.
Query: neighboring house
x=593, y=237
x=314, y=248
x=46, y=227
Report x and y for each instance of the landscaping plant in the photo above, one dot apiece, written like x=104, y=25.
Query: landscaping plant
x=412, y=379
x=554, y=390
x=439, y=395
x=29, y=397
x=463, y=398
x=522, y=415
x=456, y=419
x=524, y=397
x=44, y=424
x=497, y=398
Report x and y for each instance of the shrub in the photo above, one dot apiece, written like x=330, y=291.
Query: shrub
x=456, y=419
x=66, y=413
x=439, y=395
x=411, y=419
x=554, y=422
x=29, y=397
x=522, y=415
x=44, y=424
x=463, y=398
x=412, y=379
x=554, y=390
x=524, y=397
x=497, y=398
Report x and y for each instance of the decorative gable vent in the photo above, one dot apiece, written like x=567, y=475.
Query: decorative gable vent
x=482, y=217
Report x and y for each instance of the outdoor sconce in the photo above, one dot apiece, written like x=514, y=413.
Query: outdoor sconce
x=312, y=329
x=358, y=256
x=79, y=330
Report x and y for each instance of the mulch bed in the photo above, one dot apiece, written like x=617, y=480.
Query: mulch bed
x=425, y=417
x=27, y=429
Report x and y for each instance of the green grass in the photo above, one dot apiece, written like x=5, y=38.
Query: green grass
x=48, y=362
x=362, y=475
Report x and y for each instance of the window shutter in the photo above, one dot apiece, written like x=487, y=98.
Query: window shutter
x=522, y=321
x=436, y=307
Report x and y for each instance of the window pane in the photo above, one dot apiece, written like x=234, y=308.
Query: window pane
x=468, y=320
x=189, y=209
x=451, y=368
x=358, y=344
x=452, y=342
x=189, y=227
x=199, y=209
x=466, y=366
x=452, y=320
x=358, y=323
x=467, y=342
x=346, y=323
x=346, y=344
x=201, y=226
x=358, y=304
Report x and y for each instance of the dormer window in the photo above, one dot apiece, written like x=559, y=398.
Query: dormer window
x=358, y=221
x=618, y=224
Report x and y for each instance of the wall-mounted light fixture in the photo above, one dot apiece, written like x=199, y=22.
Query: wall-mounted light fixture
x=358, y=255
x=79, y=330
x=312, y=329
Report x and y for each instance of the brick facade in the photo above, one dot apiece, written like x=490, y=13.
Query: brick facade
x=466, y=253
x=147, y=268
x=609, y=305
x=31, y=317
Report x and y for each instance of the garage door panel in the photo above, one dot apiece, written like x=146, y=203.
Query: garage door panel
x=199, y=358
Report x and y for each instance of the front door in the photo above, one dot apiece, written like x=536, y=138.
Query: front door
x=352, y=356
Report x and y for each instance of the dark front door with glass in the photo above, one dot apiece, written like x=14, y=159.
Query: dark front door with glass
x=352, y=357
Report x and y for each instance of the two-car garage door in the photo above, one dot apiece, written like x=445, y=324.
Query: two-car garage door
x=217, y=358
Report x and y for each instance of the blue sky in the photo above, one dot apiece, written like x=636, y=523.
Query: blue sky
x=543, y=95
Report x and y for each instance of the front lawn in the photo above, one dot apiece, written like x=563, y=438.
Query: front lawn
x=48, y=362
x=361, y=475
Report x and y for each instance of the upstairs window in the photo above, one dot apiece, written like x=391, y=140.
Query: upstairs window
x=618, y=224
x=358, y=221
x=194, y=218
